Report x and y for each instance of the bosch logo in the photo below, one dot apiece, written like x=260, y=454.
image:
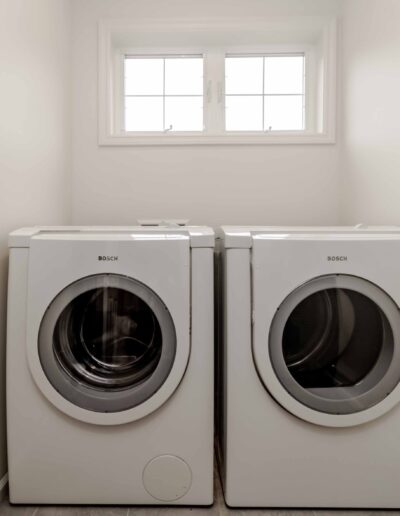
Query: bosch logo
x=337, y=258
x=108, y=258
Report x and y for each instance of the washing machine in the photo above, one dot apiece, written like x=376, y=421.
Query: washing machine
x=110, y=365
x=310, y=367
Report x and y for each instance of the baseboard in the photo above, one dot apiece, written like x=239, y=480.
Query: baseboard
x=3, y=486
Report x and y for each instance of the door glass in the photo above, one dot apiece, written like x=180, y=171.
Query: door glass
x=333, y=338
x=107, y=343
x=333, y=344
x=108, y=338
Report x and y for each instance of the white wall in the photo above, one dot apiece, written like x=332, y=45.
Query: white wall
x=371, y=112
x=211, y=185
x=34, y=131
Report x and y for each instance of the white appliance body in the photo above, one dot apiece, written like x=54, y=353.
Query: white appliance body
x=110, y=366
x=293, y=433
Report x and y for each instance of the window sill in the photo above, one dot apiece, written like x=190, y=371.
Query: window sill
x=281, y=138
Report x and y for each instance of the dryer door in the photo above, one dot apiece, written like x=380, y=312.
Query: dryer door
x=107, y=343
x=334, y=346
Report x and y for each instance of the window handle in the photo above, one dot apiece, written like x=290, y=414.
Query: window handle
x=220, y=93
x=209, y=92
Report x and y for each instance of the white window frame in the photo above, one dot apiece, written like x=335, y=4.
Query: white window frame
x=307, y=51
x=119, y=97
x=320, y=123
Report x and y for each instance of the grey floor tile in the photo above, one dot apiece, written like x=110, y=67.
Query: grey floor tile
x=218, y=509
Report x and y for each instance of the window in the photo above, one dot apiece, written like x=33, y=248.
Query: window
x=265, y=93
x=238, y=82
x=163, y=93
x=262, y=93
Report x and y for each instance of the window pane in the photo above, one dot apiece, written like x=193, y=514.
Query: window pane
x=243, y=75
x=243, y=113
x=144, y=76
x=184, y=113
x=144, y=114
x=184, y=76
x=284, y=74
x=283, y=113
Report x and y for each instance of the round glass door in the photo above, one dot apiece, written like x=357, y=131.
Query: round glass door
x=334, y=344
x=107, y=343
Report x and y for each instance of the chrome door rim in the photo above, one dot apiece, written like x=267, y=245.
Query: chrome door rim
x=101, y=400
x=379, y=389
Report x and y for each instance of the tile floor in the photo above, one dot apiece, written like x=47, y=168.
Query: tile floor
x=218, y=509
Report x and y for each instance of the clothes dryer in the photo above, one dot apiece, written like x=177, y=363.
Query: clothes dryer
x=110, y=365
x=311, y=367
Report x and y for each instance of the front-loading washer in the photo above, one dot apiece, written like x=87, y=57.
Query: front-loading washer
x=110, y=365
x=310, y=367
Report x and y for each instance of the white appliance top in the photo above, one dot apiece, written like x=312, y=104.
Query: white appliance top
x=199, y=236
x=242, y=236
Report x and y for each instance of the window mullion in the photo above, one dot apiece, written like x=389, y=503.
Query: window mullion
x=119, y=93
x=310, y=92
x=213, y=92
x=263, y=95
x=163, y=105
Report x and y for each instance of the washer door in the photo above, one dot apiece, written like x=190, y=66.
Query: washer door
x=334, y=346
x=107, y=343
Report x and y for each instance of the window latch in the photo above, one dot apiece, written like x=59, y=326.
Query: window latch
x=220, y=93
x=209, y=92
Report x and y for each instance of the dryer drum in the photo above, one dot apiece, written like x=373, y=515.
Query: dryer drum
x=334, y=344
x=338, y=335
x=108, y=338
x=107, y=343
